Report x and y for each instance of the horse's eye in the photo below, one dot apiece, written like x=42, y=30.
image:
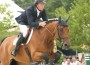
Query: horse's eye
x=61, y=30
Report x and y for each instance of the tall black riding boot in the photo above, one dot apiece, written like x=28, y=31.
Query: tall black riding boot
x=20, y=40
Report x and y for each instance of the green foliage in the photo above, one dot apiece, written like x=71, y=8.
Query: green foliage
x=61, y=11
x=79, y=22
x=52, y=5
x=80, y=17
x=6, y=17
x=5, y=21
x=24, y=3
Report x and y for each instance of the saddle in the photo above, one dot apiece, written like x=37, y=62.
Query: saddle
x=27, y=39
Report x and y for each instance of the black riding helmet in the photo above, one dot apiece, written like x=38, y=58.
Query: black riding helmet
x=37, y=1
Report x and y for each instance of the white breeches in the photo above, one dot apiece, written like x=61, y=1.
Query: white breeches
x=24, y=30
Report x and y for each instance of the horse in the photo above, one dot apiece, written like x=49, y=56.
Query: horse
x=40, y=46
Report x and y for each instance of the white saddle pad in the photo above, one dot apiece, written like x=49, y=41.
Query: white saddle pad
x=30, y=35
x=28, y=40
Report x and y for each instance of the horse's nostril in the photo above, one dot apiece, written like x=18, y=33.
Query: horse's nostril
x=66, y=45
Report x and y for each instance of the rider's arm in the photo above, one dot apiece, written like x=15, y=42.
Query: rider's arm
x=30, y=18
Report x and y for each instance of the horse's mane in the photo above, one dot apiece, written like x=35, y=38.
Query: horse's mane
x=2, y=40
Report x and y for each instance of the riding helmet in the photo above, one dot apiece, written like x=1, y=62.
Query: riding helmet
x=37, y=1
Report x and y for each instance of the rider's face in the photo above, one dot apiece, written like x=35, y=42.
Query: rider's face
x=40, y=6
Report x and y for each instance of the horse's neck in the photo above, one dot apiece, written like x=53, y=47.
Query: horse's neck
x=49, y=32
x=52, y=26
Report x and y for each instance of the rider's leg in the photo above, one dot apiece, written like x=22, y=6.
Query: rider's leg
x=24, y=30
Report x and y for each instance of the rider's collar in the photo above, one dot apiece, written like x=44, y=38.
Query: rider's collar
x=38, y=12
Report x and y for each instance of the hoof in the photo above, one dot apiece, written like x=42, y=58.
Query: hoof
x=51, y=62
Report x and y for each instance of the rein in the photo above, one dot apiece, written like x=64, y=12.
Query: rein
x=52, y=33
x=49, y=31
x=58, y=33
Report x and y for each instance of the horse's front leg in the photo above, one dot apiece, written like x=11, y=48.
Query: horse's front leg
x=37, y=56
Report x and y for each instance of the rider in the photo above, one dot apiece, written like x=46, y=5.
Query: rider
x=31, y=17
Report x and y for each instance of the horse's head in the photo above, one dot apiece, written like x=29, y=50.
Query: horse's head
x=63, y=33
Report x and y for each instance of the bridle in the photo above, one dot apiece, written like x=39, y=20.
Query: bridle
x=58, y=32
x=59, y=37
x=57, y=28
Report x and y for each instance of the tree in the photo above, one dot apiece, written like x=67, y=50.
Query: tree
x=24, y=3
x=79, y=22
x=51, y=5
x=5, y=21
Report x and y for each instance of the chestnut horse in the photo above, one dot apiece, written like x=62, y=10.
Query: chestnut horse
x=41, y=43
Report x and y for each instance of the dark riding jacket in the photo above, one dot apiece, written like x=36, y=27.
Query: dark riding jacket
x=29, y=17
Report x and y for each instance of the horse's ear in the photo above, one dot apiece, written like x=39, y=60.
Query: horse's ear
x=67, y=19
x=59, y=19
